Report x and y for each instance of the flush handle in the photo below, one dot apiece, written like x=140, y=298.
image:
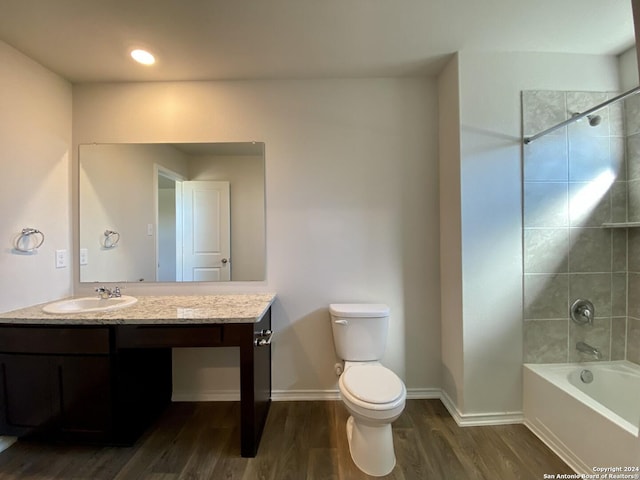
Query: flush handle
x=341, y=322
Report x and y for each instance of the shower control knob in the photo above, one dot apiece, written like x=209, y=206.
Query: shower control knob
x=582, y=312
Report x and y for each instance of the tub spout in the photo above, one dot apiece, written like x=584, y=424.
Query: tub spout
x=588, y=349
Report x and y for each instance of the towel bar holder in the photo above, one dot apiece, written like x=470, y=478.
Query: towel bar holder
x=23, y=241
x=111, y=238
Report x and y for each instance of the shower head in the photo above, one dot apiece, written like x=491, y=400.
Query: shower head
x=594, y=120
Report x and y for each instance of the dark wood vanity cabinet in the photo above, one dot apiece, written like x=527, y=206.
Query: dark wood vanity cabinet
x=85, y=396
x=105, y=384
x=55, y=381
x=71, y=383
x=28, y=400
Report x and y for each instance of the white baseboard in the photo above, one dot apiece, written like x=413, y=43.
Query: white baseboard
x=424, y=393
x=304, y=395
x=463, y=420
x=206, y=396
x=286, y=395
x=234, y=395
x=480, y=419
x=296, y=395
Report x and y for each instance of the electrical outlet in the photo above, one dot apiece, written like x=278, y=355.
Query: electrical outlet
x=61, y=259
x=84, y=256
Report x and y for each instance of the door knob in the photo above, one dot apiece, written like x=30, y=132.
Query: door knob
x=224, y=261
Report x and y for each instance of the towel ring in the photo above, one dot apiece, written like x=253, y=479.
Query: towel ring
x=111, y=238
x=25, y=239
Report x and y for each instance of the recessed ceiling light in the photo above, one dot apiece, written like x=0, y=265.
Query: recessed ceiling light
x=142, y=56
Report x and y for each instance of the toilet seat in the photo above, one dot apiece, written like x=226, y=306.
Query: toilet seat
x=372, y=387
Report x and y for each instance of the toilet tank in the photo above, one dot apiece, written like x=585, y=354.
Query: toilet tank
x=359, y=330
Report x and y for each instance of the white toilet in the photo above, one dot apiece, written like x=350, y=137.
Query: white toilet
x=373, y=394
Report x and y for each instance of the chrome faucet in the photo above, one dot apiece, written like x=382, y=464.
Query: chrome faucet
x=589, y=350
x=104, y=292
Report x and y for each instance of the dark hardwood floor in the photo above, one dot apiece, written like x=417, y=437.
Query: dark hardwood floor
x=302, y=440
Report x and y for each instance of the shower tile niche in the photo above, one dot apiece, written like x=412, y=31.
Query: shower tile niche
x=576, y=179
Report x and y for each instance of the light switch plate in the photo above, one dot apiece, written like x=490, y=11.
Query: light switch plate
x=84, y=256
x=61, y=259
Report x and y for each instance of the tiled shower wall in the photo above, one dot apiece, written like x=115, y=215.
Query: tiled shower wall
x=632, y=123
x=575, y=179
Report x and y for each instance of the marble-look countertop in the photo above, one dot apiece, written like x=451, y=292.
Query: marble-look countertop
x=149, y=310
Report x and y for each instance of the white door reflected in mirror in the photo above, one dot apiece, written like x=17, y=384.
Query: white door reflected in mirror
x=206, y=231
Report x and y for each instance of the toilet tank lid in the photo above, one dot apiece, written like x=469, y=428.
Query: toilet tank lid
x=359, y=309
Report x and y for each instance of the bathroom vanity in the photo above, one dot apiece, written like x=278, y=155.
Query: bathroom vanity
x=102, y=377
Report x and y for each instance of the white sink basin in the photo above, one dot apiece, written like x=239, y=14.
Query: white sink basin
x=89, y=304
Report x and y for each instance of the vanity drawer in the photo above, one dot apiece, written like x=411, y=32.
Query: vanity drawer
x=166, y=337
x=54, y=340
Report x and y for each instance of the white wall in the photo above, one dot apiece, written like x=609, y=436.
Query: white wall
x=35, y=140
x=167, y=238
x=352, y=208
x=490, y=86
x=628, y=64
x=450, y=232
x=118, y=185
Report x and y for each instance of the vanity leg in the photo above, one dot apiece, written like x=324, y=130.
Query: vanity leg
x=255, y=386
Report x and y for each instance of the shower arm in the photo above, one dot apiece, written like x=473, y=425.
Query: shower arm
x=578, y=116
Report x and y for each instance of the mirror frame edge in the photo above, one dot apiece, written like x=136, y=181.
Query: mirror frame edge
x=232, y=285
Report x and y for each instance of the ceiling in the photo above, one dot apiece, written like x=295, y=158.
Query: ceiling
x=89, y=40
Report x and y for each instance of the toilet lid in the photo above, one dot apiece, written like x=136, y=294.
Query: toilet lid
x=372, y=383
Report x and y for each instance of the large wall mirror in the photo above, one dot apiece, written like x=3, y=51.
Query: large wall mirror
x=179, y=212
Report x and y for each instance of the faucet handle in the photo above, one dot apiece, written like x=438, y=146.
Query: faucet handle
x=582, y=312
x=103, y=292
x=116, y=292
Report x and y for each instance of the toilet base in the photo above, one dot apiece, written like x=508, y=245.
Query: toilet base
x=371, y=447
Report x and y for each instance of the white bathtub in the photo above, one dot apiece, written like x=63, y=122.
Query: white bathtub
x=591, y=426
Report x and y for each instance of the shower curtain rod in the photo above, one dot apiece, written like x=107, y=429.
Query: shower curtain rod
x=578, y=116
